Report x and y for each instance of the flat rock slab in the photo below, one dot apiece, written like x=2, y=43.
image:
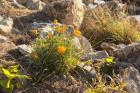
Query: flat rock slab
x=25, y=49
x=99, y=55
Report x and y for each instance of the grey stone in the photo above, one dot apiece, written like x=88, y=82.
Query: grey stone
x=24, y=49
x=99, y=55
x=132, y=79
x=85, y=45
x=137, y=46
x=18, y=3
x=86, y=71
x=137, y=17
x=3, y=39
x=35, y=4
x=76, y=43
x=137, y=63
x=128, y=50
x=99, y=2
x=6, y=24
x=121, y=46
x=22, y=1
x=122, y=65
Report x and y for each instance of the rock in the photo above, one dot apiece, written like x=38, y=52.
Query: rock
x=135, y=18
x=18, y=4
x=3, y=39
x=6, y=24
x=132, y=79
x=121, y=65
x=69, y=12
x=76, y=43
x=127, y=51
x=99, y=55
x=88, y=1
x=85, y=45
x=82, y=44
x=24, y=49
x=48, y=1
x=95, y=56
x=23, y=2
x=35, y=4
x=121, y=46
x=99, y=2
x=86, y=71
x=137, y=63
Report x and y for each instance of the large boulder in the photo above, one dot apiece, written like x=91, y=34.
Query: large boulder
x=70, y=12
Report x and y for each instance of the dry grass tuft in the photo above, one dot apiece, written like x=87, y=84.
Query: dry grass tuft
x=102, y=25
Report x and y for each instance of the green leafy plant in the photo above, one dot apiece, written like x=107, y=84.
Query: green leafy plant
x=10, y=74
x=55, y=52
x=106, y=66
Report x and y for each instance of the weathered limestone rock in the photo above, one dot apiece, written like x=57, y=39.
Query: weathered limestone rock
x=3, y=39
x=86, y=45
x=6, y=24
x=99, y=55
x=48, y=1
x=24, y=49
x=69, y=12
x=132, y=79
x=22, y=1
x=86, y=71
x=35, y=4
x=88, y=1
x=124, y=52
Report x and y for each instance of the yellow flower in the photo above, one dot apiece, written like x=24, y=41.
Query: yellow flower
x=35, y=32
x=61, y=49
x=50, y=35
x=55, y=22
x=77, y=33
x=34, y=56
x=61, y=29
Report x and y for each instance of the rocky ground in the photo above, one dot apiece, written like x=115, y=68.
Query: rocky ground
x=19, y=17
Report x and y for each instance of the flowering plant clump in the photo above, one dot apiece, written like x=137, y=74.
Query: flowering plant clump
x=55, y=52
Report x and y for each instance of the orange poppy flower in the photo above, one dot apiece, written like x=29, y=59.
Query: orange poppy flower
x=77, y=33
x=35, y=32
x=50, y=35
x=61, y=49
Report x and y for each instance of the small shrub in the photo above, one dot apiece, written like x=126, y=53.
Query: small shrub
x=56, y=52
x=10, y=74
x=106, y=81
x=107, y=65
